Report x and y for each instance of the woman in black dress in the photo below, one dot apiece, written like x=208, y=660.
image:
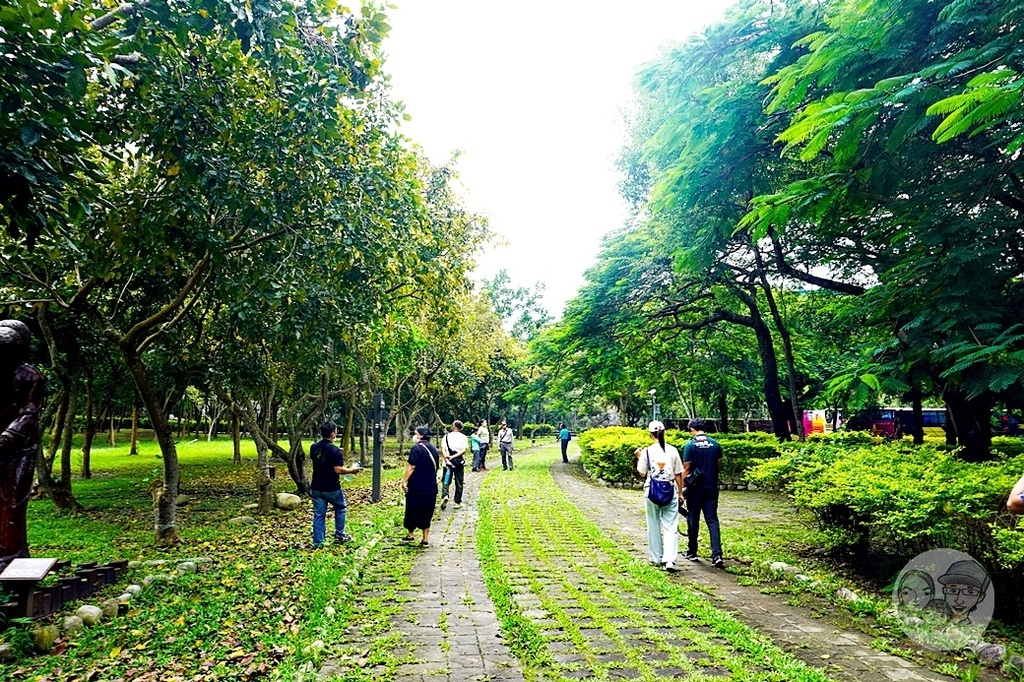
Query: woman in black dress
x=420, y=485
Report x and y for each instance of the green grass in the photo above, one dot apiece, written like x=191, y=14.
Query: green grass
x=259, y=607
x=560, y=585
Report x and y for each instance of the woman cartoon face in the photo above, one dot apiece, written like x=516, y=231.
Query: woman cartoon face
x=915, y=589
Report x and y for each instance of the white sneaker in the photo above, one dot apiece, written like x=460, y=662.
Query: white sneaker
x=670, y=567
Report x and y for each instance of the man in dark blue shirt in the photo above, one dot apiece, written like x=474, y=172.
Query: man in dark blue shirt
x=702, y=458
x=325, y=488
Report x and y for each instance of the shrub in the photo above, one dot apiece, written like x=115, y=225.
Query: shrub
x=608, y=452
x=536, y=430
x=896, y=500
x=1008, y=446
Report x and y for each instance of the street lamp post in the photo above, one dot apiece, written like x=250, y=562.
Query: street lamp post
x=654, y=404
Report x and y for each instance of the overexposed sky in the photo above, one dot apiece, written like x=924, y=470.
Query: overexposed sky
x=531, y=93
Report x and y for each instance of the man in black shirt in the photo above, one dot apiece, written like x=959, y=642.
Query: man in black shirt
x=325, y=488
x=702, y=457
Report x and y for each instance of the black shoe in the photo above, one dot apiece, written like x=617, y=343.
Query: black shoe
x=690, y=556
x=408, y=540
x=344, y=538
x=717, y=562
x=444, y=502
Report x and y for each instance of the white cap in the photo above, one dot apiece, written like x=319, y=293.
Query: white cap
x=656, y=426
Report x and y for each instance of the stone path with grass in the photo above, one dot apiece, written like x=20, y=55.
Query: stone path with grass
x=448, y=629
x=844, y=655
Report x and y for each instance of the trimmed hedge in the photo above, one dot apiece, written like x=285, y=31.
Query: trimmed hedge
x=608, y=452
x=535, y=430
x=896, y=500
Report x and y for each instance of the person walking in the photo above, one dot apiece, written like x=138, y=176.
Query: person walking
x=702, y=457
x=453, y=449
x=505, y=440
x=420, y=485
x=474, y=446
x=485, y=443
x=325, y=487
x=564, y=437
x=662, y=469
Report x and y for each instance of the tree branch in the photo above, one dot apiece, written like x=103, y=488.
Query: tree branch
x=121, y=11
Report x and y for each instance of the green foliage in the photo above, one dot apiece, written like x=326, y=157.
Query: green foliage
x=537, y=430
x=897, y=498
x=609, y=453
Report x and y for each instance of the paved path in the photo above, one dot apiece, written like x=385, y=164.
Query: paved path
x=449, y=627
x=845, y=655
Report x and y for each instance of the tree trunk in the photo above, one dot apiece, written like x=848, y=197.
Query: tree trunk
x=135, y=427
x=787, y=347
x=723, y=411
x=918, y=431
x=113, y=438
x=770, y=379
x=971, y=421
x=90, y=430
x=165, y=497
x=236, y=437
x=362, y=442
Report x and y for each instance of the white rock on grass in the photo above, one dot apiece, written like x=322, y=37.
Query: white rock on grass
x=134, y=564
x=150, y=580
x=187, y=567
x=801, y=578
x=779, y=566
x=156, y=562
x=6, y=652
x=243, y=520
x=846, y=594
x=127, y=596
x=133, y=590
x=73, y=624
x=990, y=655
x=792, y=570
x=251, y=505
x=288, y=501
x=109, y=607
x=90, y=615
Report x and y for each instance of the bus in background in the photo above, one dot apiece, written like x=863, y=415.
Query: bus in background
x=896, y=422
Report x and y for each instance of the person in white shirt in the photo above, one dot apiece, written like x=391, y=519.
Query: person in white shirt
x=660, y=462
x=485, y=443
x=505, y=438
x=453, y=448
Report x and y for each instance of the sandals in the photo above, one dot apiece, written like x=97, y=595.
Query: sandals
x=407, y=540
x=424, y=543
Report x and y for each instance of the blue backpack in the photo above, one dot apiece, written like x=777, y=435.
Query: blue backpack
x=660, y=493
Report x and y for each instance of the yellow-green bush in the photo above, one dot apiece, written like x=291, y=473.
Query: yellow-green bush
x=608, y=452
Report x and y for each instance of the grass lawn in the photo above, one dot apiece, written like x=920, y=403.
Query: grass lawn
x=258, y=609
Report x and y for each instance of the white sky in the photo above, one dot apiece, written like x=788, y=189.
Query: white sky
x=531, y=94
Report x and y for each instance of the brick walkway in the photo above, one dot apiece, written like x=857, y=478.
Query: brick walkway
x=448, y=627
x=845, y=655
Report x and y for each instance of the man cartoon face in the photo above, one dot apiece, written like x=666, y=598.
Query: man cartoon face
x=964, y=585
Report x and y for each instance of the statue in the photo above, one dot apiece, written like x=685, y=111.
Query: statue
x=21, y=399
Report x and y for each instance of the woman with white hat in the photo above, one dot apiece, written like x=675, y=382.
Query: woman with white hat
x=662, y=469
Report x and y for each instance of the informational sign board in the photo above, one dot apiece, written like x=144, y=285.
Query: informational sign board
x=27, y=569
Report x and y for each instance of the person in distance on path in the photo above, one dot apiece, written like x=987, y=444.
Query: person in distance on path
x=660, y=462
x=505, y=440
x=453, y=449
x=420, y=485
x=702, y=458
x=485, y=443
x=564, y=437
x=325, y=487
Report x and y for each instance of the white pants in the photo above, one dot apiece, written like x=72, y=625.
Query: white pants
x=663, y=531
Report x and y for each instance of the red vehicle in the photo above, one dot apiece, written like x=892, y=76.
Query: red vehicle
x=895, y=422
